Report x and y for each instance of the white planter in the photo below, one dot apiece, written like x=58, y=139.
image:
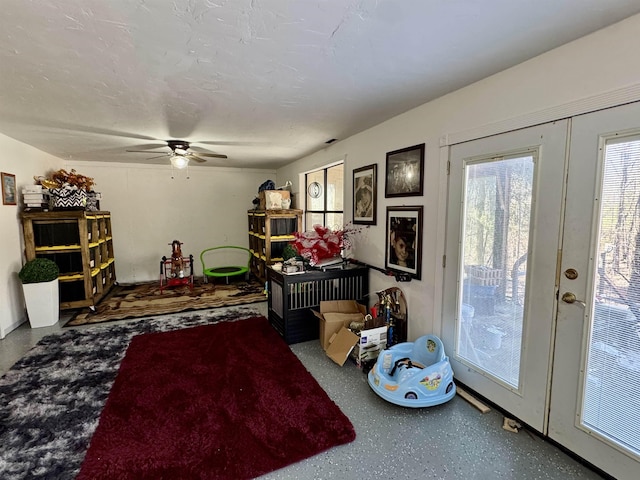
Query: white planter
x=43, y=304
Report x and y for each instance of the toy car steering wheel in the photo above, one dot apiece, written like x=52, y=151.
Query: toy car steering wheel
x=407, y=362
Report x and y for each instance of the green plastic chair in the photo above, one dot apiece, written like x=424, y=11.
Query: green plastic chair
x=224, y=270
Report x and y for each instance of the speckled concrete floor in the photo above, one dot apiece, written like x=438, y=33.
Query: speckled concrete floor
x=448, y=442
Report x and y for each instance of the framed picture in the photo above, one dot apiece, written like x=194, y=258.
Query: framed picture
x=8, y=189
x=364, y=195
x=405, y=172
x=404, y=240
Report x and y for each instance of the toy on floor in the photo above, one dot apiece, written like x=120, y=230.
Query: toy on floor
x=172, y=270
x=414, y=374
x=229, y=260
x=177, y=263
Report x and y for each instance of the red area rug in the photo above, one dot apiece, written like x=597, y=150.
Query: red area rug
x=223, y=401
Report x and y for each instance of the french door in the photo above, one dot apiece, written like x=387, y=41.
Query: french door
x=595, y=406
x=542, y=281
x=503, y=225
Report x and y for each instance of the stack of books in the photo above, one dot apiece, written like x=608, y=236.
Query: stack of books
x=35, y=197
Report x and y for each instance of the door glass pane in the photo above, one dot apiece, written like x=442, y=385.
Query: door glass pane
x=611, y=400
x=495, y=242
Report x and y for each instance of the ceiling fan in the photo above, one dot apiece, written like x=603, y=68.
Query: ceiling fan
x=181, y=154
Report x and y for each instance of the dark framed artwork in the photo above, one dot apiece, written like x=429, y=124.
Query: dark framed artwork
x=8, y=189
x=365, y=195
x=404, y=240
x=405, y=172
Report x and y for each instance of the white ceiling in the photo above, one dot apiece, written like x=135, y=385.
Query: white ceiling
x=264, y=82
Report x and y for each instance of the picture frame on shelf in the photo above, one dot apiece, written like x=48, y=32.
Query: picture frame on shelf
x=365, y=195
x=403, y=250
x=405, y=172
x=9, y=195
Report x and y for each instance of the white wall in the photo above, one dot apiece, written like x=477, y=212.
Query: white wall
x=24, y=162
x=149, y=209
x=592, y=66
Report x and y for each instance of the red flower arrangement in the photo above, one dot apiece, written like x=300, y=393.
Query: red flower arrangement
x=322, y=242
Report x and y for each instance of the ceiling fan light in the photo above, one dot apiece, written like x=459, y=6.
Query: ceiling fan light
x=179, y=162
x=180, y=151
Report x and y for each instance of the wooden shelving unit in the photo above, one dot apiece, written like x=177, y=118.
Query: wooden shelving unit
x=269, y=232
x=81, y=244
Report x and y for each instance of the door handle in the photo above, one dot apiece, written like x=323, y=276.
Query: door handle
x=570, y=297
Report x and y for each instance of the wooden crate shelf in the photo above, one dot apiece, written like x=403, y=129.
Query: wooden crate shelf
x=81, y=244
x=269, y=232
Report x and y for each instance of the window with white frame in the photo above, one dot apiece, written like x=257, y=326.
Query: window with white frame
x=324, y=197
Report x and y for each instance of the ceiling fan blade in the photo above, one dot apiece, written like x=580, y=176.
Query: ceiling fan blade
x=150, y=146
x=191, y=156
x=213, y=155
x=143, y=151
x=232, y=143
x=159, y=156
x=61, y=125
x=178, y=147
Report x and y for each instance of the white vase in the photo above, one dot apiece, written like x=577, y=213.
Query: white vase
x=43, y=303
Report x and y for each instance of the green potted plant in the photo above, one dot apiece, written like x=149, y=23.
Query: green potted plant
x=39, y=279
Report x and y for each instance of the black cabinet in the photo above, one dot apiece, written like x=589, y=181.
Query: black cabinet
x=292, y=296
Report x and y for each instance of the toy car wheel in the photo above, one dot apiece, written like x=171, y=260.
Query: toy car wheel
x=411, y=396
x=449, y=387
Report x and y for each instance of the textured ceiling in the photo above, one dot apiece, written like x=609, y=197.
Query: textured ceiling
x=264, y=82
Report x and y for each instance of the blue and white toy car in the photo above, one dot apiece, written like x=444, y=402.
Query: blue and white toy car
x=414, y=374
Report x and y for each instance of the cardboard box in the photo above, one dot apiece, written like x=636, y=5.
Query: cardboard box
x=272, y=199
x=341, y=344
x=371, y=343
x=334, y=315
